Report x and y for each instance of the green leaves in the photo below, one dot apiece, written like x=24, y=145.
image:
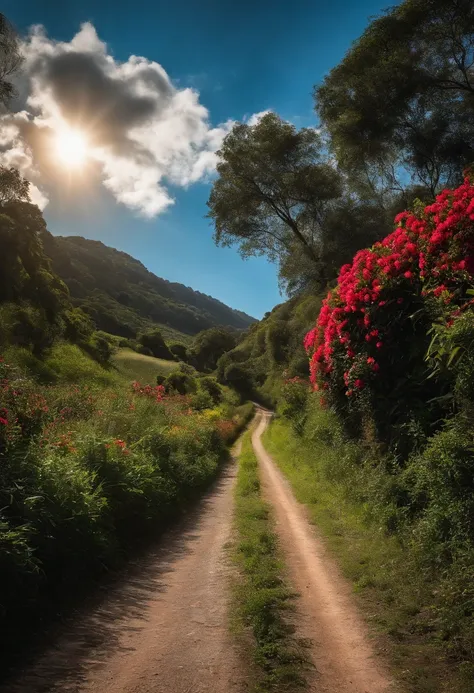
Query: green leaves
x=418, y=55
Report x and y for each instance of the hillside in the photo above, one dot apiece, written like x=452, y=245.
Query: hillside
x=123, y=297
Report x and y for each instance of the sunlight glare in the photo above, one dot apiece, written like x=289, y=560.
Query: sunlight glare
x=71, y=148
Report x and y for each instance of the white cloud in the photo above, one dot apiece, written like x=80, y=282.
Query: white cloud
x=143, y=132
x=257, y=117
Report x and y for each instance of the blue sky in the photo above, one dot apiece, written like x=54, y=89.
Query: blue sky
x=242, y=58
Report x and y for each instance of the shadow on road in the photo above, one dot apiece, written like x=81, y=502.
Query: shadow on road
x=90, y=634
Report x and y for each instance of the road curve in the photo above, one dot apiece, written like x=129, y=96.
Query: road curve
x=341, y=649
x=164, y=629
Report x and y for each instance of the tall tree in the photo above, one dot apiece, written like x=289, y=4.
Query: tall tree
x=10, y=58
x=402, y=100
x=273, y=188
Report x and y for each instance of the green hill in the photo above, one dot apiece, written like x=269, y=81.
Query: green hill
x=123, y=297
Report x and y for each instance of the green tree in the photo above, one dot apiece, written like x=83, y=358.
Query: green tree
x=279, y=195
x=10, y=58
x=179, y=351
x=209, y=345
x=402, y=100
x=25, y=272
x=156, y=344
x=272, y=189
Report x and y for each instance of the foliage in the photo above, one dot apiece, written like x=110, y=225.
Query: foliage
x=180, y=382
x=10, y=59
x=419, y=55
x=179, y=351
x=122, y=297
x=369, y=345
x=210, y=385
x=156, y=344
x=278, y=195
x=208, y=346
x=90, y=466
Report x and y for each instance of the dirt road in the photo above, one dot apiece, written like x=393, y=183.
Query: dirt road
x=164, y=628
x=341, y=650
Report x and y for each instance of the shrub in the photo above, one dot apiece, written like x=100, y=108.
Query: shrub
x=179, y=351
x=201, y=400
x=88, y=468
x=369, y=345
x=210, y=385
x=180, y=382
x=156, y=344
x=294, y=394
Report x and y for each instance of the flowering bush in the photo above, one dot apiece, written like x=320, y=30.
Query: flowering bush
x=369, y=344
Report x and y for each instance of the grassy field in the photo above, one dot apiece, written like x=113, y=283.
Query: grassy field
x=396, y=599
x=140, y=367
x=262, y=598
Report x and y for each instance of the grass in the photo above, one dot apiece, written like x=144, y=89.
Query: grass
x=397, y=601
x=140, y=367
x=262, y=599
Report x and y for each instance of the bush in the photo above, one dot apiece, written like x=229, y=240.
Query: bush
x=369, y=346
x=201, y=400
x=88, y=468
x=156, y=344
x=144, y=350
x=210, y=385
x=99, y=348
x=294, y=394
x=239, y=377
x=179, y=351
x=181, y=383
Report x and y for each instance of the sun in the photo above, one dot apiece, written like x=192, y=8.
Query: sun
x=71, y=146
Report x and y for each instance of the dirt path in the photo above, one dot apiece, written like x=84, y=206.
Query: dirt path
x=165, y=628
x=341, y=650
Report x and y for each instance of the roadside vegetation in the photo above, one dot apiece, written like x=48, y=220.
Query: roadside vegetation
x=371, y=361
x=407, y=609
x=91, y=467
x=262, y=597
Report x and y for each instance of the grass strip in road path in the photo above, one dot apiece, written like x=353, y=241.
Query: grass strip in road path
x=263, y=602
x=394, y=599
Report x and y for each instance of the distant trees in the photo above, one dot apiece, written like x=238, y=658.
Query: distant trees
x=208, y=346
x=403, y=98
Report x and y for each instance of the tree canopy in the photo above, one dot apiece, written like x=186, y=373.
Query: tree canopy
x=403, y=97
x=272, y=188
x=10, y=58
x=209, y=345
x=278, y=194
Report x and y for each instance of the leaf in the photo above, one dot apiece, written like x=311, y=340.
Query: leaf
x=454, y=353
